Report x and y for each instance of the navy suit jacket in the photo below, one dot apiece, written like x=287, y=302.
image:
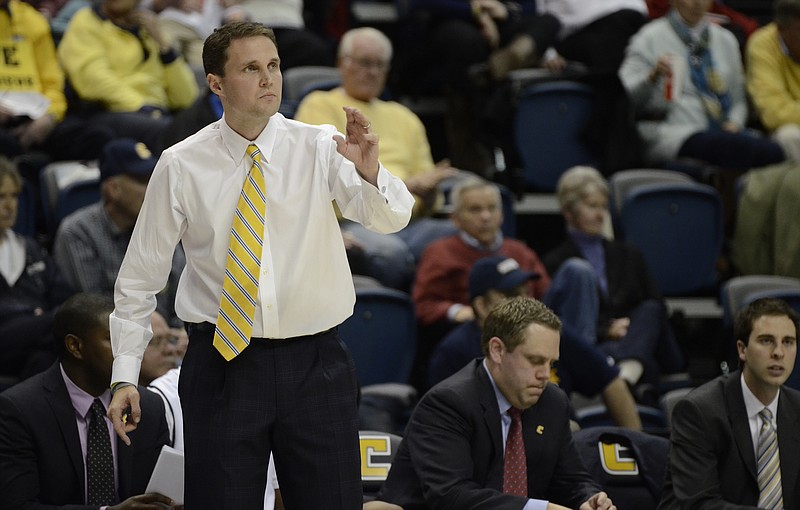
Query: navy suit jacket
x=712, y=461
x=452, y=454
x=41, y=462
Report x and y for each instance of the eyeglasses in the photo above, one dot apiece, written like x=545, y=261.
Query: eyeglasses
x=160, y=340
x=367, y=64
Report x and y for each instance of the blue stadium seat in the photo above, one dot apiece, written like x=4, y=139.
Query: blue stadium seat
x=654, y=420
x=299, y=81
x=377, y=453
x=621, y=183
x=548, y=127
x=679, y=229
x=629, y=465
x=65, y=187
x=26, y=211
x=381, y=335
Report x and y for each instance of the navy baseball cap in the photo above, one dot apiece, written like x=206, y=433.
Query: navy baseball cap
x=126, y=156
x=497, y=273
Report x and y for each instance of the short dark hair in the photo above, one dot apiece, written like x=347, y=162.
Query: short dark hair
x=215, y=48
x=743, y=324
x=786, y=11
x=510, y=318
x=80, y=315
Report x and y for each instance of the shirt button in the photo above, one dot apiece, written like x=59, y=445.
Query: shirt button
x=383, y=189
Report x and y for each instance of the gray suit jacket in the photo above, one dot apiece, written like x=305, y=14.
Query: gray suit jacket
x=712, y=462
x=452, y=454
x=41, y=462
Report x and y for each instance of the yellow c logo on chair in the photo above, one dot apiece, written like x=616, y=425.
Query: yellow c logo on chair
x=617, y=460
x=371, y=447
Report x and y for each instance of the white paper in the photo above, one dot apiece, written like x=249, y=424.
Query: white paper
x=167, y=477
x=24, y=104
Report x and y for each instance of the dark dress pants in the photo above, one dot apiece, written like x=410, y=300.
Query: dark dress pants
x=295, y=398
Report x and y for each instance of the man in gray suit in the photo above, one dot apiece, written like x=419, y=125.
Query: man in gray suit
x=718, y=458
x=458, y=448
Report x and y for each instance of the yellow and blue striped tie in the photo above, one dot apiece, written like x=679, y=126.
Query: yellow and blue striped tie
x=769, y=465
x=240, y=287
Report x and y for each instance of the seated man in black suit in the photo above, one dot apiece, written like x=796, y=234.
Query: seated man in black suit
x=57, y=447
x=582, y=366
x=495, y=435
x=733, y=434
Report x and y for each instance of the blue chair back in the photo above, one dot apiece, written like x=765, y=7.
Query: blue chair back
x=381, y=335
x=654, y=421
x=548, y=127
x=74, y=196
x=26, y=211
x=740, y=291
x=679, y=229
x=66, y=186
x=621, y=183
x=629, y=465
x=378, y=449
x=299, y=81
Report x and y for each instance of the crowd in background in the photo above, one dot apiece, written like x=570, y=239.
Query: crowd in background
x=111, y=83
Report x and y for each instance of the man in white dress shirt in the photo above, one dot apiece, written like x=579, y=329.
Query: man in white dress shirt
x=292, y=391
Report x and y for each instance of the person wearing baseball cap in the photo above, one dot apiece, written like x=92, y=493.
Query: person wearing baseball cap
x=91, y=242
x=582, y=367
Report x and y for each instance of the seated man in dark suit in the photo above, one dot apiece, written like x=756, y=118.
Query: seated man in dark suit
x=582, y=367
x=465, y=447
x=733, y=434
x=57, y=447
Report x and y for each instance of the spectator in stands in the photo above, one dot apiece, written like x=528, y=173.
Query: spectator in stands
x=33, y=108
x=363, y=62
x=122, y=72
x=441, y=290
x=765, y=239
x=740, y=24
x=715, y=459
x=54, y=432
x=163, y=352
x=593, y=32
x=685, y=78
x=773, y=76
x=91, y=242
x=504, y=35
x=31, y=289
x=632, y=323
x=581, y=366
x=300, y=46
x=496, y=434
x=187, y=23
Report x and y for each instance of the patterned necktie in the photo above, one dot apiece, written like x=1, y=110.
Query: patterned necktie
x=99, y=459
x=769, y=465
x=515, y=468
x=240, y=287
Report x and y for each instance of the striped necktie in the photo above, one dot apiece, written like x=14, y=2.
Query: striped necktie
x=769, y=465
x=515, y=467
x=240, y=287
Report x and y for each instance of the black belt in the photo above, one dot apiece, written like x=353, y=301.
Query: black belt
x=207, y=327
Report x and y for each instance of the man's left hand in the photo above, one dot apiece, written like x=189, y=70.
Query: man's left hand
x=599, y=501
x=360, y=145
